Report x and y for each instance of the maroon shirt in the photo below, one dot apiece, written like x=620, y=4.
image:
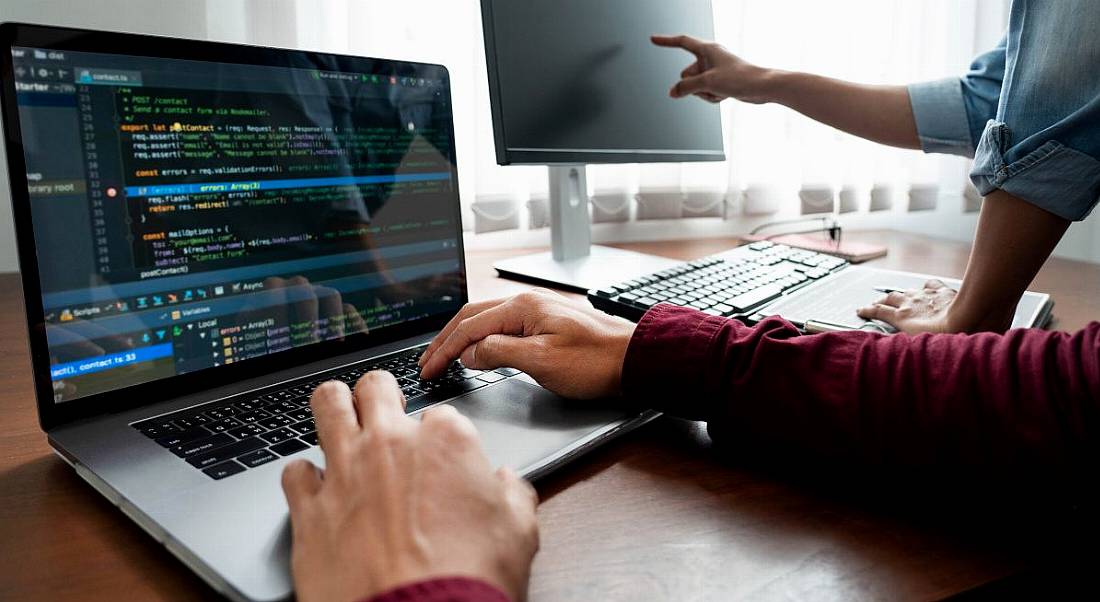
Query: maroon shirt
x=444, y=589
x=1028, y=399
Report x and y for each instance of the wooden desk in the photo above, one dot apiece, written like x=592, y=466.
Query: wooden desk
x=655, y=515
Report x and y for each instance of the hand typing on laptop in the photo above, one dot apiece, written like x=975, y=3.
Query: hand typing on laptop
x=402, y=501
x=570, y=349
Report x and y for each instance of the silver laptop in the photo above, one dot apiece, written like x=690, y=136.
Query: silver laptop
x=206, y=232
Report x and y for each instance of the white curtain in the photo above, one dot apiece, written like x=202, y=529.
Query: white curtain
x=779, y=163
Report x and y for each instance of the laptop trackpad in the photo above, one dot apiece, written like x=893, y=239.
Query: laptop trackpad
x=523, y=424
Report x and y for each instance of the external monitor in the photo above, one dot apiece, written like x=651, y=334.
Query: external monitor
x=576, y=82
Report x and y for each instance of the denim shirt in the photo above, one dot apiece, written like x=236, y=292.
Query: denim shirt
x=1028, y=111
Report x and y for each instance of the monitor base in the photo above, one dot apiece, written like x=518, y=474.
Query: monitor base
x=603, y=266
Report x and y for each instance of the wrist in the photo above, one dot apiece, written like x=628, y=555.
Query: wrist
x=620, y=343
x=962, y=318
x=776, y=86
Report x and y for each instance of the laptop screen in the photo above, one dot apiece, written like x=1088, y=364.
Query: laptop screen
x=194, y=214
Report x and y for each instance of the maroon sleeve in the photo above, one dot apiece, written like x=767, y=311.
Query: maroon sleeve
x=1028, y=398
x=445, y=589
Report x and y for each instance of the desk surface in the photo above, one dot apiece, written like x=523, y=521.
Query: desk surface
x=655, y=515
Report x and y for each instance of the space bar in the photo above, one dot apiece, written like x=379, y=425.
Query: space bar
x=751, y=299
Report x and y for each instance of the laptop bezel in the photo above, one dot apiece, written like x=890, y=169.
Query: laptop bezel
x=53, y=414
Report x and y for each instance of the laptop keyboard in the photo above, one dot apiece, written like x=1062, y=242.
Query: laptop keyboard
x=730, y=284
x=224, y=438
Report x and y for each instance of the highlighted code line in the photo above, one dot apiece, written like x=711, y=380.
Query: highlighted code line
x=108, y=362
x=216, y=187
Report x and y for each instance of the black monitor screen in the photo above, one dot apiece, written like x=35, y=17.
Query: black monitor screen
x=189, y=214
x=578, y=81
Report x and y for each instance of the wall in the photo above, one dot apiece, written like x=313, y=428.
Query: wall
x=185, y=18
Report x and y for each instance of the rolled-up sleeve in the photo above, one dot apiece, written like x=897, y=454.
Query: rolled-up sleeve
x=951, y=113
x=1043, y=145
x=940, y=113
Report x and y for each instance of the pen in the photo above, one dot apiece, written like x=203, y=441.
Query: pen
x=886, y=290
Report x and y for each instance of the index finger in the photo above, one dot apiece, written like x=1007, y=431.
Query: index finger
x=505, y=318
x=334, y=413
x=689, y=43
x=470, y=309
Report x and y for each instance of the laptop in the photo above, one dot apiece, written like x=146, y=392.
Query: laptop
x=208, y=231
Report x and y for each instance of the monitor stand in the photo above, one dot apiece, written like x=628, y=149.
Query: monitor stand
x=574, y=263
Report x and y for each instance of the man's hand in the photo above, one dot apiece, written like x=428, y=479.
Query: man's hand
x=573, y=350
x=402, y=501
x=914, y=311
x=716, y=74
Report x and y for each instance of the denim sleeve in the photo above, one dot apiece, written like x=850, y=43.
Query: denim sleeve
x=1043, y=144
x=951, y=113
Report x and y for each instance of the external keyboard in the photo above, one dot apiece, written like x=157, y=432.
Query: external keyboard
x=732, y=284
x=226, y=437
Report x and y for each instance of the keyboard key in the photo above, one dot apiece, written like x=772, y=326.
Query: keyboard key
x=300, y=414
x=286, y=448
x=220, y=426
x=201, y=446
x=254, y=416
x=246, y=431
x=303, y=427
x=225, y=469
x=722, y=308
x=755, y=297
x=507, y=371
x=282, y=406
x=491, y=377
x=311, y=438
x=219, y=412
x=226, y=452
x=468, y=373
x=274, y=422
x=278, y=436
x=183, y=437
x=191, y=421
x=160, y=429
x=256, y=458
x=249, y=405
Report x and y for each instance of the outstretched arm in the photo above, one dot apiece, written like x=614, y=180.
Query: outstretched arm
x=879, y=113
